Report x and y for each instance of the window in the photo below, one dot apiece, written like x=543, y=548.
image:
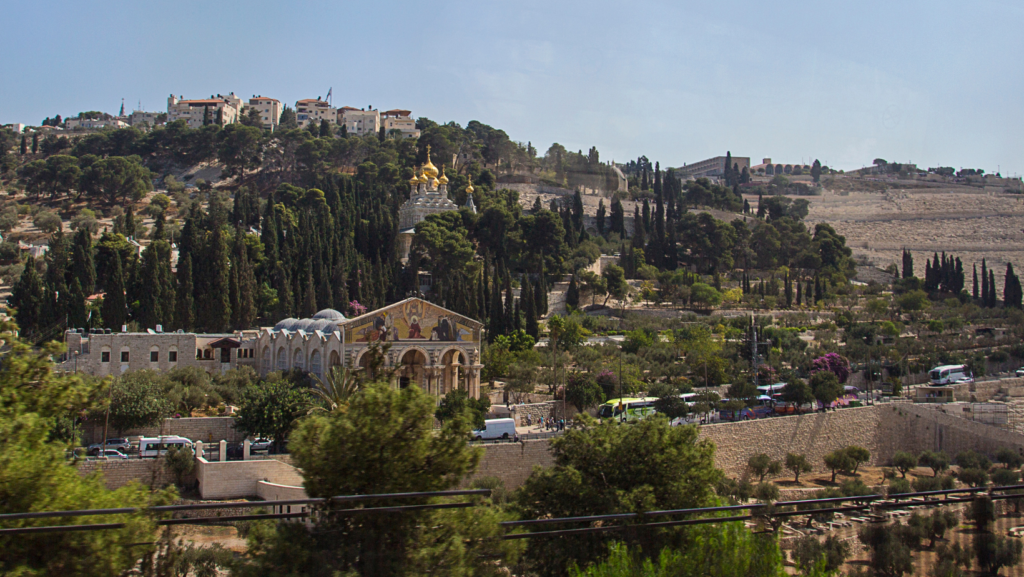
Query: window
x=172, y=356
x=124, y=356
x=154, y=356
x=199, y=353
x=208, y=354
x=105, y=357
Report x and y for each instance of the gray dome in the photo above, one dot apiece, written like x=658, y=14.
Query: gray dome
x=286, y=324
x=325, y=326
x=329, y=314
x=304, y=324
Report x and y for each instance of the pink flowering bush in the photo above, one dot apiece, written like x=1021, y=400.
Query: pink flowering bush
x=834, y=363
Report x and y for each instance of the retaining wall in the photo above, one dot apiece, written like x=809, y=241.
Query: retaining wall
x=236, y=479
x=120, y=472
x=513, y=462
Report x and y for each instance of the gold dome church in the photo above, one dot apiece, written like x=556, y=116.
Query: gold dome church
x=429, y=195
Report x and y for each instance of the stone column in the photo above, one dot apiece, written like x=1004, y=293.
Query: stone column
x=223, y=451
x=473, y=380
x=246, y=448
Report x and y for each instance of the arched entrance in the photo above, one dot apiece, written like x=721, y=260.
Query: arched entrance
x=453, y=376
x=412, y=369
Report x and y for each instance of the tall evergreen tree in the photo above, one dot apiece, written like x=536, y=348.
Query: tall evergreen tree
x=617, y=222
x=600, y=217
x=799, y=295
x=572, y=295
x=530, y=308
x=541, y=292
x=908, y=264
x=83, y=267
x=639, y=236
x=984, y=283
x=974, y=290
x=509, y=304
x=184, y=311
x=78, y=316
x=992, y=289
x=150, y=313
x=27, y=297
x=496, y=317
x=213, y=306
x=727, y=174
x=114, y=308
x=1011, y=289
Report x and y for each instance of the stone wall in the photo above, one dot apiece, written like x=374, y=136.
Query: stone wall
x=237, y=479
x=937, y=428
x=813, y=435
x=120, y=472
x=513, y=462
x=206, y=429
x=537, y=410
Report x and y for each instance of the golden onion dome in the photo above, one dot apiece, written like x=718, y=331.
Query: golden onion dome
x=443, y=179
x=470, y=189
x=423, y=178
x=415, y=179
x=429, y=169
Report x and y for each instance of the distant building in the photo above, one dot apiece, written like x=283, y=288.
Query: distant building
x=93, y=123
x=17, y=127
x=401, y=121
x=270, y=111
x=315, y=111
x=712, y=167
x=140, y=118
x=359, y=121
x=102, y=353
x=194, y=112
x=429, y=196
x=769, y=168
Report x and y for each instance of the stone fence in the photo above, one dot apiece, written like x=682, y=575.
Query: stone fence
x=548, y=410
x=119, y=472
x=206, y=429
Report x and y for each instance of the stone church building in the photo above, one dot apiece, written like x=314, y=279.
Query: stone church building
x=430, y=346
x=429, y=196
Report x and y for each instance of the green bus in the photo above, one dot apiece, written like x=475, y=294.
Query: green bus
x=626, y=409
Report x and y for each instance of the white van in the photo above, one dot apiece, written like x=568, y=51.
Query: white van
x=496, y=429
x=156, y=446
x=949, y=374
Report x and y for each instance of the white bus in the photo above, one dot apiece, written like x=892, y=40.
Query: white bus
x=156, y=446
x=949, y=374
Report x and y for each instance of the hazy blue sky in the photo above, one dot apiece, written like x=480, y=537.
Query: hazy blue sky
x=934, y=82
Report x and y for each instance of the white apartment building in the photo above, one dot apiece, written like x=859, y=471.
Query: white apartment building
x=138, y=118
x=194, y=111
x=359, y=121
x=314, y=110
x=400, y=120
x=270, y=111
x=93, y=123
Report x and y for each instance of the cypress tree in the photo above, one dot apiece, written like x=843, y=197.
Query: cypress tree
x=530, y=309
x=83, y=267
x=114, y=306
x=149, y=313
x=646, y=215
x=309, y=296
x=541, y=293
x=789, y=292
x=618, y=218
x=213, y=307
x=27, y=297
x=1011, y=289
x=572, y=296
x=35, y=142
x=908, y=264
x=283, y=285
x=974, y=290
x=984, y=283
x=496, y=317
x=639, y=236
x=992, y=299
x=509, y=304
x=129, y=222
x=799, y=296
x=184, y=310
x=24, y=144
x=78, y=317
x=600, y=217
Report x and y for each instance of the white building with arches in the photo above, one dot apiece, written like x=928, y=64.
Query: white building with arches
x=427, y=345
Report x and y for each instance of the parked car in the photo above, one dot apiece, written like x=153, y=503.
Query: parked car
x=964, y=380
x=1020, y=372
x=111, y=454
x=120, y=444
x=260, y=445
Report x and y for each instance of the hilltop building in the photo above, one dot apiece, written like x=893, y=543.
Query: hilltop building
x=400, y=120
x=314, y=110
x=429, y=195
x=102, y=353
x=712, y=167
x=270, y=111
x=220, y=108
x=359, y=122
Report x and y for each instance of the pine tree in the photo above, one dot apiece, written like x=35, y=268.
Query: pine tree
x=184, y=311
x=114, y=308
x=572, y=296
x=27, y=297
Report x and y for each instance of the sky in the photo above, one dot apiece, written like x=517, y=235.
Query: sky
x=937, y=83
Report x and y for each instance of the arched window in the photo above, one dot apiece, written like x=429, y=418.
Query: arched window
x=314, y=364
x=298, y=360
x=172, y=355
x=154, y=355
x=282, y=359
x=266, y=359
